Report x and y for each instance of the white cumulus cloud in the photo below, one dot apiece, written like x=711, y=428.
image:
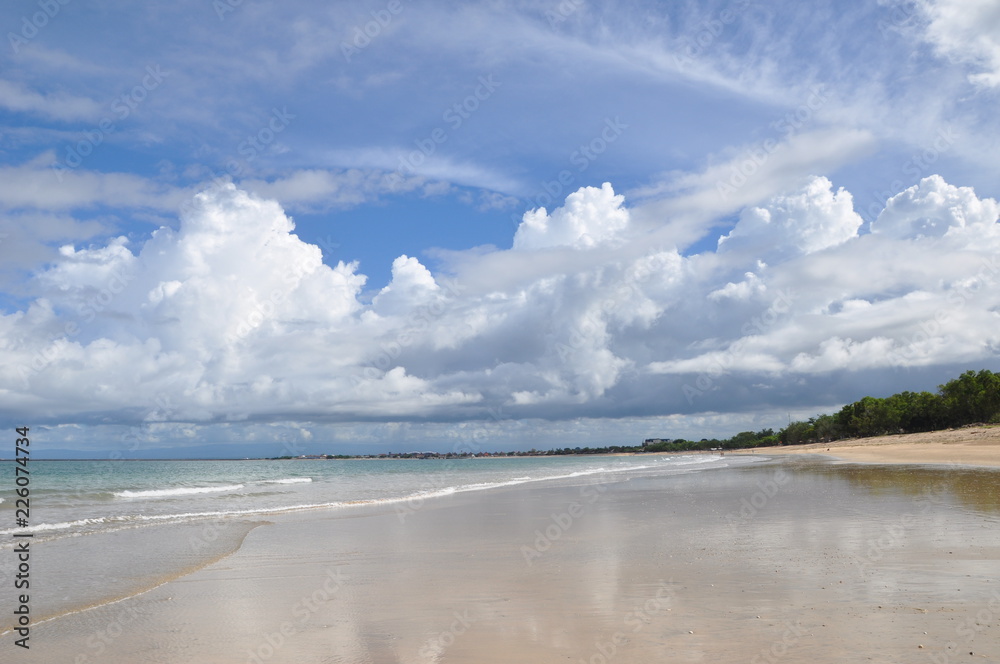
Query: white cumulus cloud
x=934, y=208
x=813, y=219
x=234, y=318
x=590, y=217
x=967, y=31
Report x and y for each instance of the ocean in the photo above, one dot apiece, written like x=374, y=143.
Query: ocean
x=103, y=531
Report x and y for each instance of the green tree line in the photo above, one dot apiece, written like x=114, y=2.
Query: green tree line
x=972, y=398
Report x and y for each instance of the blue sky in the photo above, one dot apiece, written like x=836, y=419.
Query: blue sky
x=322, y=228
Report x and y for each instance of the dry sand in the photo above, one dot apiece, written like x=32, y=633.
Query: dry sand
x=975, y=446
x=797, y=561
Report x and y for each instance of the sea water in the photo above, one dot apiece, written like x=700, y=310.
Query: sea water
x=69, y=498
x=105, y=530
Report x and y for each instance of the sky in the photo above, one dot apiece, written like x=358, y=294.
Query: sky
x=233, y=227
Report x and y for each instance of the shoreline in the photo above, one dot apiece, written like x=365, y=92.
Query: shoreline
x=719, y=565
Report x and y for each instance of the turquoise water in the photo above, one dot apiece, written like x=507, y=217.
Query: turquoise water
x=69, y=498
x=106, y=530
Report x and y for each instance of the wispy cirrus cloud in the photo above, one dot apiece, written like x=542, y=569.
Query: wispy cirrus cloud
x=62, y=106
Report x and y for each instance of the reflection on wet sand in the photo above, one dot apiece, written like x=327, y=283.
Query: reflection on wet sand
x=973, y=488
x=800, y=559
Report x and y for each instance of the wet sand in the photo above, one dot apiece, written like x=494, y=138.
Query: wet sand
x=798, y=560
x=975, y=446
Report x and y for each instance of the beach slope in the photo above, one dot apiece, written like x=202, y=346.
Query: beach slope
x=973, y=446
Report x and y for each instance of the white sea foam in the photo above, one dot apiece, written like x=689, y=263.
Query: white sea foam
x=696, y=460
x=412, y=495
x=179, y=491
x=42, y=527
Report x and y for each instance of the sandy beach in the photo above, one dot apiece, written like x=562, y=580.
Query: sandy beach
x=797, y=560
x=976, y=446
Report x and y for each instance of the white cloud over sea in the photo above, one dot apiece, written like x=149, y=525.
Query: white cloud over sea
x=233, y=318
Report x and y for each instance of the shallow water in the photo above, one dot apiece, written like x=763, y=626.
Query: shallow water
x=105, y=530
x=718, y=561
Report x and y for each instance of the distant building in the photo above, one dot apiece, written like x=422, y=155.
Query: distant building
x=654, y=441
